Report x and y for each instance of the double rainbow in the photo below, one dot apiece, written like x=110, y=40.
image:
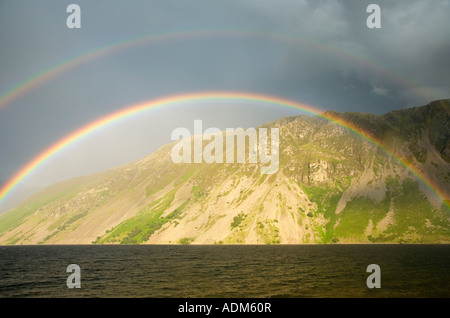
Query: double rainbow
x=48, y=74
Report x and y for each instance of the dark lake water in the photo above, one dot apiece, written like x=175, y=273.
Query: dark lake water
x=170, y=271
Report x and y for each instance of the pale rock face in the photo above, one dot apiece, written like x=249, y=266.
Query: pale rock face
x=318, y=171
x=331, y=186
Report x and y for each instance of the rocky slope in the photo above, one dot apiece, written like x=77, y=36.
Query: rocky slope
x=332, y=187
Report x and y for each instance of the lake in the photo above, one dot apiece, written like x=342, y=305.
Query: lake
x=224, y=271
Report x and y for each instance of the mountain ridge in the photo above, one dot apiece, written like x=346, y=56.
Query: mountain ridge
x=332, y=187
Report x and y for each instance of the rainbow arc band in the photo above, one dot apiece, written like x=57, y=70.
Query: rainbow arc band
x=230, y=97
x=55, y=70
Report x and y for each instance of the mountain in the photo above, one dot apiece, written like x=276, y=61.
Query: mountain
x=17, y=197
x=332, y=186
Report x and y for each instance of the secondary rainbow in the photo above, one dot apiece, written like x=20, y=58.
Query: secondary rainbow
x=65, y=142
x=55, y=70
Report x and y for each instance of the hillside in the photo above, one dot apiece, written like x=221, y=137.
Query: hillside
x=332, y=186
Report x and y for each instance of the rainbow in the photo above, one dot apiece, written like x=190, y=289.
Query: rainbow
x=50, y=73
x=236, y=97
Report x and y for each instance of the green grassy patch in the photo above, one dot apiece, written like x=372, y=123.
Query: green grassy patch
x=237, y=220
x=141, y=227
x=186, y=240
x=412, y=209
x=355, y=218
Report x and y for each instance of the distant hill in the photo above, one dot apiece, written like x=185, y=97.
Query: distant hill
x=332, y=186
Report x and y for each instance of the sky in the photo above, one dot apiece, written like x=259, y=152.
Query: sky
x=317, y=52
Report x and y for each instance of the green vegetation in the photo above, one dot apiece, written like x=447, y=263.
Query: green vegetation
x=326, y=199
x=140, y=228
x=243, y=196
x=356, y=215
x=382, y=238
x=64, y=224
x=197, y=191
x=415, y=218
x=261, y=180
x=239, y=228
x=186, y=240
x=237, y=220
x=72, y=219
x=268, y=232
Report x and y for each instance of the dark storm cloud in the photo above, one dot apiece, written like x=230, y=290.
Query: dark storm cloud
x=318, y=52
x=407, y=55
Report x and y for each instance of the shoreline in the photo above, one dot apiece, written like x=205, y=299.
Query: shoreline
x=274, y=245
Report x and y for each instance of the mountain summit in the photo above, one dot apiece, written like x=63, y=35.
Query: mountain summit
x=332, y=186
